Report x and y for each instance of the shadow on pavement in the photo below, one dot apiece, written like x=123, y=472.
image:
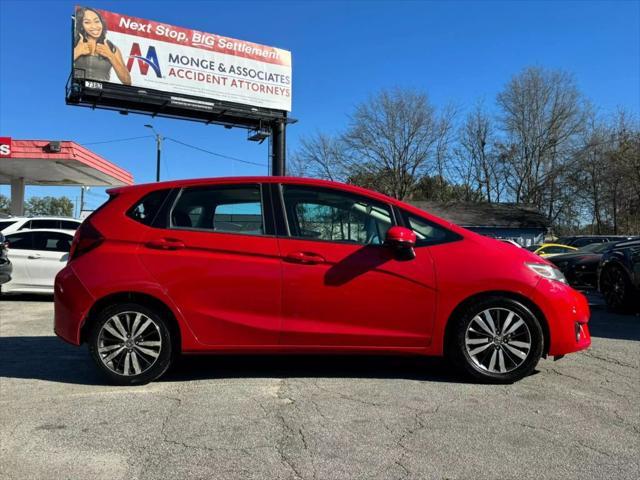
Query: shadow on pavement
x=313, y=366
x=46, y=358
x=26, y=297
x=49, y=358
x=606, y=324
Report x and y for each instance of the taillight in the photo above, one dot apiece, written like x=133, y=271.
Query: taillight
x=87, y=238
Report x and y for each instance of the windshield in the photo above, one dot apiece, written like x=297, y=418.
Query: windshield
x=595, y=247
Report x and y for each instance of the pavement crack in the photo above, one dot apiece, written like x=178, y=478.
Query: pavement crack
x=614, y=361
x=288, y=432
x=562, y=374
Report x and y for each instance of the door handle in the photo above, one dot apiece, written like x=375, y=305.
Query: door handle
x=166, y=244
x=35, y=256
x=308, y=258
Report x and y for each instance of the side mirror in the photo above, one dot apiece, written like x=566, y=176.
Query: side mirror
x=401, y=240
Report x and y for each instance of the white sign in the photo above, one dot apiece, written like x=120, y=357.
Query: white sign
x=110, y=47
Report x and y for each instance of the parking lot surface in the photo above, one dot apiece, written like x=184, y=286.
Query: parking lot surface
x=267, y=417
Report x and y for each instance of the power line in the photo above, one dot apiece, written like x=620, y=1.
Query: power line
x=117, y=140
x=214, y=153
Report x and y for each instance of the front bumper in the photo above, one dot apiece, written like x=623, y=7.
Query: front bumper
x=72, y=302
x=567, y=313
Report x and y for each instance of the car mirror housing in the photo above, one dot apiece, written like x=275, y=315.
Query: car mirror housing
x=402, y=241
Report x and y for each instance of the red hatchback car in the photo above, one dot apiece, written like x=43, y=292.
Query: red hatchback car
x=290, y=265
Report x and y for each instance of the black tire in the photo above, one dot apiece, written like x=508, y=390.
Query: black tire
x=501, y=366
x=616, y=288
x=155, y=332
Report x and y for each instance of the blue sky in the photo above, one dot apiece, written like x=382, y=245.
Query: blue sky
x=343, y=52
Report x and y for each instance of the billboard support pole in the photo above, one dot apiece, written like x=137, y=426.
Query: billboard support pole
x=158, y=150
x=278, y=147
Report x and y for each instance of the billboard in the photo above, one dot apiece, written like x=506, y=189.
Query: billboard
x=143, y=54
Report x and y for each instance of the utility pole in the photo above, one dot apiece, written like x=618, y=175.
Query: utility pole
x=158, y=150
x=82, y=189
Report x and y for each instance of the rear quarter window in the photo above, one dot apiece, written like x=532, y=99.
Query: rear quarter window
x=6, y=223
x=146, y=209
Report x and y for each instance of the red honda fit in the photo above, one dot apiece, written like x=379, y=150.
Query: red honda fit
x=290, y=265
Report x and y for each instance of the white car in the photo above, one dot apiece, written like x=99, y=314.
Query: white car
x=15, y=224
x=37, y=256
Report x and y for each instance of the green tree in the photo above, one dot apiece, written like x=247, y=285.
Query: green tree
x=58, y=206
x=4, y=204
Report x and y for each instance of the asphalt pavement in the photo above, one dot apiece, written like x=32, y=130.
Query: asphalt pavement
x=312, y=417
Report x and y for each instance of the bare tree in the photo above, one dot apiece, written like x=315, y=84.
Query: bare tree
x=397, y=132
x=320, y=156
x=478, y=155
x=542, y=114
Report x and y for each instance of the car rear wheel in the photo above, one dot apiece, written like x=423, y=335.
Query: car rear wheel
x=131, y=344
x=497, y=340
x=616, y=288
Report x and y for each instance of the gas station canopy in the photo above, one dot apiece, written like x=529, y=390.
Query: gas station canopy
x=51, y=163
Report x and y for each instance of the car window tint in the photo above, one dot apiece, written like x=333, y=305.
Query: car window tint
x=69, y=225
x=228, y=209
x=20, y=241
x=51, y=241
x=427, y=233
x=45, y=224
x=238, y=217
x=145, y=210
x=6, y=223
x=325, y=214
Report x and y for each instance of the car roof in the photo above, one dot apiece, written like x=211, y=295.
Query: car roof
x=56, y=230
x=314, y=182
x=249, y=179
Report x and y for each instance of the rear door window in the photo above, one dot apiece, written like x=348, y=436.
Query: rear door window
x=222, y=209
x=51, y=241
x=69, y=225
x=20, y=241
x=48, y=223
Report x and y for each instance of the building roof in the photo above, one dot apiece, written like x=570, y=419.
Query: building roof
x=69, y=164
x=496, y=215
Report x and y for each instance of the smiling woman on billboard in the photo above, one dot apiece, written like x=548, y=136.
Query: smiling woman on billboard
x=92, y=52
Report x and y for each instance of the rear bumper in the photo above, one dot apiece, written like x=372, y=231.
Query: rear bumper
x=567, y=314
x=72, y=302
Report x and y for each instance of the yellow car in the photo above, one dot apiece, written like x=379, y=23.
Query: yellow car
x=551, y=249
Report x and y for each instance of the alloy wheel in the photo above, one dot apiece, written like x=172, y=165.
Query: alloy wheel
x=614, y=287
x=129, y=343
x=498, y=340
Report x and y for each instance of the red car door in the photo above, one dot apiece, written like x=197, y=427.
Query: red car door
x=341, y=286
x=219, y=262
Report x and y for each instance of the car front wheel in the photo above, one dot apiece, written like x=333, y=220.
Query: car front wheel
x=131, y=344
x=616, y=288
x=497, y=340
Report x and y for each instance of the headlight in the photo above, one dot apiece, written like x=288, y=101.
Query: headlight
x=547, y=271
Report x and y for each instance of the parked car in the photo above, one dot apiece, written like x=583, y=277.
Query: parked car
x=547, y=250
x=288, y=265
x=5, y=263
x=580, y=268
x=15, y=224
x=619, y=276
x=510, y=242
x=580, y=241
x=37, y=256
